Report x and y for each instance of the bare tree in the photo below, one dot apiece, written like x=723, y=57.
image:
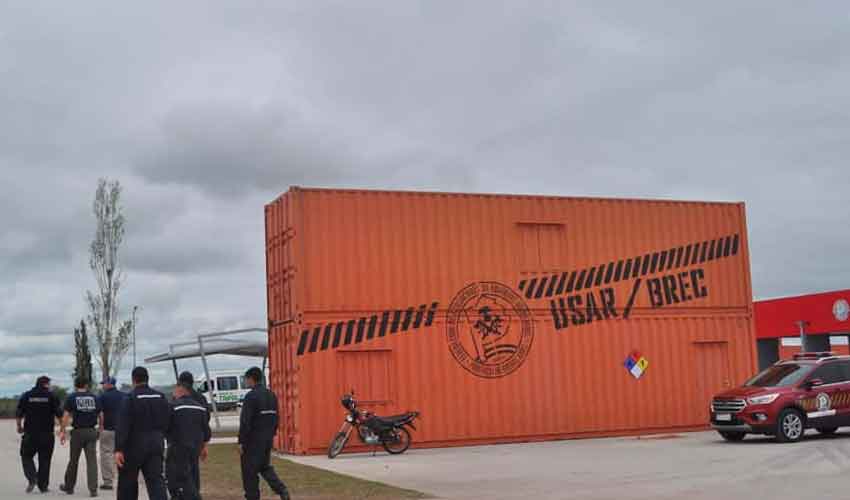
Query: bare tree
x=111, y=335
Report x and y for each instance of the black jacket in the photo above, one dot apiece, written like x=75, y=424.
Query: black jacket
x=201, y=400
x=39, y=408
x=258, y=422
x=145, y=415
x=190, y=424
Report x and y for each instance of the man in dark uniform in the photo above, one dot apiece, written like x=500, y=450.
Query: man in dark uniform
x=187, y=379
x=188, y=436
x=257, y=427
x=83, y=411
x=139, y=442
x=111, y=400
x=38, y=411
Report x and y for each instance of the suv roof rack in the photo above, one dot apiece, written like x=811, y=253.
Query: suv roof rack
x=814, y=355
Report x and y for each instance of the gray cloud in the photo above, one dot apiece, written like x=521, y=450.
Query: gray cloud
x=206, y=112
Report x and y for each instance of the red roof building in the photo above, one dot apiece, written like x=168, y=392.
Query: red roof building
x=824, y=318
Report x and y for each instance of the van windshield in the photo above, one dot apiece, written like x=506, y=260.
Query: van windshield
x=782, y=375
x=228, y=383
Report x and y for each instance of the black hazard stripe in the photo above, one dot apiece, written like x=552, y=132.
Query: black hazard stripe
x=545, y=286
x=330, y=335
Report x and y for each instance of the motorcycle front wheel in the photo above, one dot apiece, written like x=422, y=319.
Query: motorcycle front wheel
x=337, y=444
x=400, y=443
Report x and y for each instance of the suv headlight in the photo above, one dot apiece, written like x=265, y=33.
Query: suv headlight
x=763, y=400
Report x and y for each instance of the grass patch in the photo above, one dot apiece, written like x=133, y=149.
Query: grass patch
x=221, y=479
x=225, y=434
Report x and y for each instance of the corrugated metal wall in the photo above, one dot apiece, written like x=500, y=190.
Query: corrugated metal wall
x=369, y=279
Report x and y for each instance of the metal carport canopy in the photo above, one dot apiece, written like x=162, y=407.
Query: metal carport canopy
x=214, y=343
x=213, y=346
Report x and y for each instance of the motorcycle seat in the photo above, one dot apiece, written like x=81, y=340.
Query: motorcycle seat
x=396, y=419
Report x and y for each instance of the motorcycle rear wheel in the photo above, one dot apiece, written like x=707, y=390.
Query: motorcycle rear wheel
x=401, y=444
x=337, y=445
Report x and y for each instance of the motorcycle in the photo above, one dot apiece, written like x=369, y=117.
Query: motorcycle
x=390, y=432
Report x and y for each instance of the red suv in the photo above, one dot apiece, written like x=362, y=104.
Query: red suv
x=811, y=391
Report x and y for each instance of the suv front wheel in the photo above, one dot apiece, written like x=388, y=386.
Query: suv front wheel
x=790, y=426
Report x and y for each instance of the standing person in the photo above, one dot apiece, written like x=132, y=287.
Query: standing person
x=38, y=411
x=83, y=411
x=187, y=379
x=257, y=427
x=139, y=440
x=111, y=400
x=188, y=436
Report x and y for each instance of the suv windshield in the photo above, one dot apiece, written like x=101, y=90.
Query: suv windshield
x=779, y=376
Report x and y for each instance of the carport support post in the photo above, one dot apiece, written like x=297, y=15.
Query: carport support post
x=210, y=384
x=173, y=361
x=802, y=325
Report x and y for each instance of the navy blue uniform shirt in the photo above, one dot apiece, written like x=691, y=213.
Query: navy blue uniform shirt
x=39, y=408
x=258, y=421
x=111, y=402
x=190, y=424
x=143, y=420
x=84, y=407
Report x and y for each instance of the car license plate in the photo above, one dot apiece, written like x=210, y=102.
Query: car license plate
x=723, y=417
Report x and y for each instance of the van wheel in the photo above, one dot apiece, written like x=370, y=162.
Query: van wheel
x=733, y=436
x=827, y=431
x=790, y=426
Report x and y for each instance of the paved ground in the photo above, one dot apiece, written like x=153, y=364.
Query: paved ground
x=229, y=422
x=12, y=483
x=695, y=466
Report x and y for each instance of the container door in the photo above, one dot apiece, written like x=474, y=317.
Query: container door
x=712, y=373
x=367, y=373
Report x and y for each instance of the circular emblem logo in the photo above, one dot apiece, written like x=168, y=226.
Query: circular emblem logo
x=841, y=310
x=823, y=401
x=489, y=329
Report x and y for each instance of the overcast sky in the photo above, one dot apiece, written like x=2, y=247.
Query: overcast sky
x=206, y=111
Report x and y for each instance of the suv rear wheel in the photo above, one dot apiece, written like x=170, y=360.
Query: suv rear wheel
x=790, y=426
x=733, y=436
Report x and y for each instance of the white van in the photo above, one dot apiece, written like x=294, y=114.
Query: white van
x=229, y=386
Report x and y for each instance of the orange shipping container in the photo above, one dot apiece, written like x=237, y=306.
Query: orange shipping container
x=504, y=318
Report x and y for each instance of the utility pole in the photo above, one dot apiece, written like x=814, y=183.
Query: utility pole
x=135, y=308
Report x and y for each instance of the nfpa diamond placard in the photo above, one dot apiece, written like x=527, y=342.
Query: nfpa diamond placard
x=636, y=364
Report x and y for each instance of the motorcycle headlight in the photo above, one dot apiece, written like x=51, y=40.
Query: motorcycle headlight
x=763, y=400
x=349, y=418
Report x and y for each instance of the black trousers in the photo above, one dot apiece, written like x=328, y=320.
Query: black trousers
x=83, y=440
x=145, y=456
x=196, y=473
x=179, y=467
x=41, y=444
x=256, y=461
